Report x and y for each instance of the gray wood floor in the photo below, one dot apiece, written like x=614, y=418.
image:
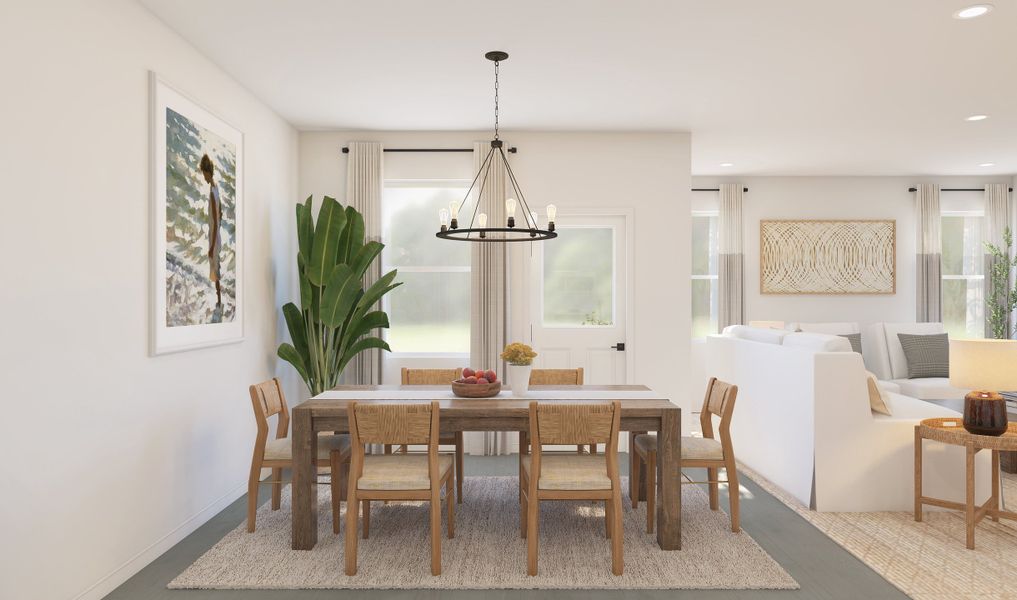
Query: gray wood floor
x=824, y=570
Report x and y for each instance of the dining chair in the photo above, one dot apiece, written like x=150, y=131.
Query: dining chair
x=571, y=476
x=697, y=452
x=396, y=476
x=561, y=377
x=438, y=377
x=268, y=400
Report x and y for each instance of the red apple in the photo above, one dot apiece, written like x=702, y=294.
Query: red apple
x=468, y=372
x=471, y=379
x=483, y=380
x=490, y=376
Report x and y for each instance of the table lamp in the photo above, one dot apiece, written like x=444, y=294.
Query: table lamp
x=986, y=367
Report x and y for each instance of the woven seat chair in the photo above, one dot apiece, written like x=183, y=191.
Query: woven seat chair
x=396, y=476
x=268, y=400
x=570, y=476
x=561, y=377
x=705, y=452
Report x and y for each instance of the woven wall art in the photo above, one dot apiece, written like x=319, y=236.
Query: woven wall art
x=827, y=257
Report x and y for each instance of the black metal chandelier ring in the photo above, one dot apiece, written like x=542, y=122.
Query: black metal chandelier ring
x=482, y=234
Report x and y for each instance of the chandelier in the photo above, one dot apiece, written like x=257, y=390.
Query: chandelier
x=478, y=231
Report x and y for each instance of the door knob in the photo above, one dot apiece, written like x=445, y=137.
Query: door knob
x=620, y=346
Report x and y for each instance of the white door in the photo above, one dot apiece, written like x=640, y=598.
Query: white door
x=578, y=299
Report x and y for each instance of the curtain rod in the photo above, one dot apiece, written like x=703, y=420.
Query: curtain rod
x=512, y=150
x=713, y=189
x=912, y=189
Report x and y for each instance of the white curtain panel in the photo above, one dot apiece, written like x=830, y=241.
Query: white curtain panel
x=999, y=213
x=929, y=237
x=731, y=259
x=365, y=180
x=489, y=284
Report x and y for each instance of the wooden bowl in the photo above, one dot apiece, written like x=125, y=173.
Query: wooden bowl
x=476, y=390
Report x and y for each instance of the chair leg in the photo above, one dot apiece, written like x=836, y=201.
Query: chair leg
x=733, y=496
x=367, y=517
x=523, y=510
x=334, y=486
x=352, y=512
x=713, y=475
x=634, y=464
x=609, y=518
x=276, y=488
x=460, y=472
x=617, y=550
x=580, y=449
x=450, y=499
x=435, y=532
x=651, y=491
x=532, y=518
x=253, y=482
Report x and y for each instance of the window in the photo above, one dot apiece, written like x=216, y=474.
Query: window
x=579, y=278
x=430, y=312
x=963, y=276
x=704, y=273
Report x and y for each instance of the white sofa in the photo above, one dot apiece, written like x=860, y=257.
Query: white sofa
x=803, y=421
x=883, y=355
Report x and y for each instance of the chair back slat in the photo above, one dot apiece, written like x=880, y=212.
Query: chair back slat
x=719, y=395
x=393, y=423
x=430, y=376
x=556, y=376
x=574, y=423
x=268, y=399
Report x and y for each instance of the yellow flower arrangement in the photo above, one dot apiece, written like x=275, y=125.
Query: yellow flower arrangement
x=518, y=354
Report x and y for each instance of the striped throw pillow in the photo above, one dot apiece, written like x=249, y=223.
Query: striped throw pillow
x=927, y=355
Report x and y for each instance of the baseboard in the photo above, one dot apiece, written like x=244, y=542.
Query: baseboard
x=139, y=561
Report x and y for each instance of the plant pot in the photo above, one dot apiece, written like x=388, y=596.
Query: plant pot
x=519, y=379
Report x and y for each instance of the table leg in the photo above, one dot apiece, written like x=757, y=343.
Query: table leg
x=969, y=513
x=304, y=490
x=669, y=493
x=918, y=474
x=641, y=484
x=995, y=486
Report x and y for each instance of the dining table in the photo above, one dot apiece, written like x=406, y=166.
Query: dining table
x=642, y=410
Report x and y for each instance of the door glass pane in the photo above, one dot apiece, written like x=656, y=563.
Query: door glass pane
x=579, y=278
x=430, y=312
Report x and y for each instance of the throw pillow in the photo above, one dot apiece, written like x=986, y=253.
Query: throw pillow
x=855, y=339
x=877, y=402
x=927, y=355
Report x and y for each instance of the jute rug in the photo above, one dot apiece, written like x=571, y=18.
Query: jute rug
x=487, y=552
x=927, y=560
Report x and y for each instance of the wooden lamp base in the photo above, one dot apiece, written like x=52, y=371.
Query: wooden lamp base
x=985, y=413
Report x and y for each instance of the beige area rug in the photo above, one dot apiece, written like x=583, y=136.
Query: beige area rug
x=927, y=560
x=487, y=552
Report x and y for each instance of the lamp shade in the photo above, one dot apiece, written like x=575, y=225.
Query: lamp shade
x=983, y=364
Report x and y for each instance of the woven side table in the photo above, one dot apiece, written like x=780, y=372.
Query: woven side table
x=951, y=431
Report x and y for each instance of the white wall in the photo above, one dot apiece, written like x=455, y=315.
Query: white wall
x=648, y=173
x=111, y=456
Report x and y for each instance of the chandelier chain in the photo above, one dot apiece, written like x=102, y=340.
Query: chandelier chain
x=496, y=99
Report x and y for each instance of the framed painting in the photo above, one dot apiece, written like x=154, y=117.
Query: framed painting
x=828, y=257
x=197, y=225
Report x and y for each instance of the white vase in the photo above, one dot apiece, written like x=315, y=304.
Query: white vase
x=519, y=379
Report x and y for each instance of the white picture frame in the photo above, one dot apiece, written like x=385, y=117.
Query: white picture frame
x=188, y=309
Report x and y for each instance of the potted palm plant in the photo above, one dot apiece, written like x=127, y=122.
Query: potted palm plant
x=336, y=319
x=1002, y=299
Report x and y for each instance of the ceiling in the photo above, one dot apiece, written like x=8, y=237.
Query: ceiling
x=789, y=87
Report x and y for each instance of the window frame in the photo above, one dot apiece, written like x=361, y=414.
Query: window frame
x=386, y=301
x=970, y=213
x=712, y=251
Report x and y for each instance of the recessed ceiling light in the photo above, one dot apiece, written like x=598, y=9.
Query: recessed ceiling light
x=976, y=118
x=727, y=164
x=987, y=165
x=973, y=11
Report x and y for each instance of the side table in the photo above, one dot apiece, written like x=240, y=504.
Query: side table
x=951, y=431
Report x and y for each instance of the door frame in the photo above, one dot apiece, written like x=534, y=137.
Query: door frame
x=628, y=214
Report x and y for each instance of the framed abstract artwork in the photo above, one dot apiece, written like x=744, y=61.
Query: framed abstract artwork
x=197, y=225
x=828, y=257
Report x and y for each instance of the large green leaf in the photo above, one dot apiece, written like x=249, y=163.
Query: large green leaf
x=360, y=346
x=306, y=290
x=288, y=353
x=373, y=320
x=325, y=249
x=364, y=257
x=352, y=237
x=305, y=229
x=297, y=328
x=340, y=296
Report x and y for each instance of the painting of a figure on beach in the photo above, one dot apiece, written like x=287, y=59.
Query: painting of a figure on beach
x=197, y=224
x=200, y=224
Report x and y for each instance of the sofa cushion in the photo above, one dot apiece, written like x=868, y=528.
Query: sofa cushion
x=930, y=388
x=899, y=362
x=755, y=334
x=855, y=339
x=927, y=355
x=830, y=328
x=818, y=342
x=906, y=408
x=888, y=386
